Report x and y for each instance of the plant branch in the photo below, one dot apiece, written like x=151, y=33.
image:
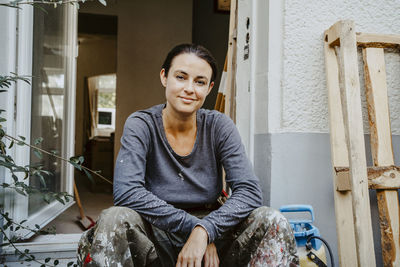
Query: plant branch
x=29, y=257
x=56, y=156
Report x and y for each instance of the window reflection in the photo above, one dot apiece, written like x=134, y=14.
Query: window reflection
x=48, y=97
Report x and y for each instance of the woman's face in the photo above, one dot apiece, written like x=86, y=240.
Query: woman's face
x=187, y=84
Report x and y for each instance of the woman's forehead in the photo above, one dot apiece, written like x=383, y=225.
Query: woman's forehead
x=191, y=64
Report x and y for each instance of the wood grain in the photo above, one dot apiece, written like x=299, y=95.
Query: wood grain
x=343, y=200
x=382, y=150
x=378, y=40
x=351, y=105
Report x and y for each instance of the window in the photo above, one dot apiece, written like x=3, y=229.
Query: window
x=45, y=108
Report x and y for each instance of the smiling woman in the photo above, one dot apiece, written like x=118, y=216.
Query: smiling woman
x=168, y=178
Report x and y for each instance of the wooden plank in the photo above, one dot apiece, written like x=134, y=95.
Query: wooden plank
x=378, y=178
x=332, y=35
x=382, y=151
x=343, y=200
x=231, y=77
x=378, y=40
x=351, y=104
x=378, y=106
x=222, y=88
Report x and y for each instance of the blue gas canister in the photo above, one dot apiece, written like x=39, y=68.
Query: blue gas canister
x=303, y=229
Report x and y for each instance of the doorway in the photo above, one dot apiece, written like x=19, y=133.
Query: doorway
x=129, y=40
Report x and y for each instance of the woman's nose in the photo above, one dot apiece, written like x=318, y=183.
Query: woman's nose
x=189, y=88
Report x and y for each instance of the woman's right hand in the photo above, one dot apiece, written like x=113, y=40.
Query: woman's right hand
x=193, y=251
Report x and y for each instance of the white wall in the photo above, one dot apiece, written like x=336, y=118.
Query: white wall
x=302, y=97
x=243, y=74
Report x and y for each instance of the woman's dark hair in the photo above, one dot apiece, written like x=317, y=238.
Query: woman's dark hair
x=195, y=49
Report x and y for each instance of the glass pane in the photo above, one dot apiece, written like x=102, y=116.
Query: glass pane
x=48, y=98
x=105, y=86
x=102, y=94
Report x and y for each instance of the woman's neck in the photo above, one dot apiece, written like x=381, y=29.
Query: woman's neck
x=176, y=123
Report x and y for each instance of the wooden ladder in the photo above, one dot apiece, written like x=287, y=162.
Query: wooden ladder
x=352, y=177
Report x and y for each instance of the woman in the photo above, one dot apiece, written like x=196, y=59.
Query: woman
x=168, y=176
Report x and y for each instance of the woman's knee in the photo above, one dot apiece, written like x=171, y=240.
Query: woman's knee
x=268, y=216
x=119, y=216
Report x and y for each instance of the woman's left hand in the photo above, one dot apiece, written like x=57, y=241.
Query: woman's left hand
x=211, y=256
x=193, y=251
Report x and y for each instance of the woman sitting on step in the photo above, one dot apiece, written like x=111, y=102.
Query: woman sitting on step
x=168, y=177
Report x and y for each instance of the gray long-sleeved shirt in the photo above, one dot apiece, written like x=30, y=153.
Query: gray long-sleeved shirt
x=153, y=180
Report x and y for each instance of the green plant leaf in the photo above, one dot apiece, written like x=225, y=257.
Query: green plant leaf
x=46, y=198
x=77, y=166
x=2, y=119
x=47, y=259
x=56, y=262
x=89, y=176
x=22, y=138
x=59, y=199
x=70, y=263
x=38, y=153
x=38, y=141
x=11, y=145
x=42, y=181
x=37, y=226
x=19, y=191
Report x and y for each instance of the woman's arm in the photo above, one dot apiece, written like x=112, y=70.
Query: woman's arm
x=246, y=192
x=129, y=182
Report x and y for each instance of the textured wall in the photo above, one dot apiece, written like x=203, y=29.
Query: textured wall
x=304, y=95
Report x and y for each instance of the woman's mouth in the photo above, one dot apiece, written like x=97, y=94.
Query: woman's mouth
x=187, y=100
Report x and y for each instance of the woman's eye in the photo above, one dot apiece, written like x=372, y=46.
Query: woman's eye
x=179, y=77
x=201, y=82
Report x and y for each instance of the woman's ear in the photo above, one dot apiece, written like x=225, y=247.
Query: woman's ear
x=210, y=87
x=163, y=78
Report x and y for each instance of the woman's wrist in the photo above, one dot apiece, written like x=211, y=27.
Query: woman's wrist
x=201, y=232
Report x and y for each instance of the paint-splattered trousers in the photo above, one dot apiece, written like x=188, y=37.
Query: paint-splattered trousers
x=122, y=238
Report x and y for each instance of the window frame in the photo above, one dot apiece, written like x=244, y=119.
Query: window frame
x=19, y=121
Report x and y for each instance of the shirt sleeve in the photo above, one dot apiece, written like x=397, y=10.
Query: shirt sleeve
x=246, y=192
x=129, y=182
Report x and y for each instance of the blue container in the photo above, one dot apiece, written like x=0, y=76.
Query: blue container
x=303, y=228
